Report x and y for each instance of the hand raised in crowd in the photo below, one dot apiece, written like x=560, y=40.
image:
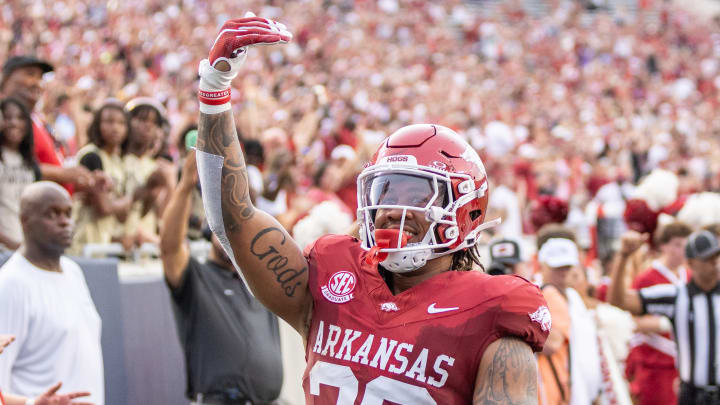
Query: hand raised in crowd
x=156, y=181
x=51, y=397
x=5, y=340
x=279, y=174
x=281, y=161
x=80, y=177
x=155, y=186
x=631, y=241
x=102, y=181
x=189, y=176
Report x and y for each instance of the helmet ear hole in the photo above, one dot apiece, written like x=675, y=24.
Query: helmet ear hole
x=475, y=214
x=452, y=232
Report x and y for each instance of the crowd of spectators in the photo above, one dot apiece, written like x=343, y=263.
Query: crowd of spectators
x=601, y=121
x=557, y=105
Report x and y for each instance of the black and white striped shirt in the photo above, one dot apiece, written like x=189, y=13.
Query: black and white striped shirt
x=695, y=315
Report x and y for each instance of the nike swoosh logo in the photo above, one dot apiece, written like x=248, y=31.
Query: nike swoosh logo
x=433, y=310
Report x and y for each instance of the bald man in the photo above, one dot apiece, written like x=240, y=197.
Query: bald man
x=46, y=305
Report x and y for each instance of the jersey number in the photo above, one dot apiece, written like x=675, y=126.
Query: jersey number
x=376, y=391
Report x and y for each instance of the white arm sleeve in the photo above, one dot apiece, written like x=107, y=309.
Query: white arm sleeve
x=210, y=174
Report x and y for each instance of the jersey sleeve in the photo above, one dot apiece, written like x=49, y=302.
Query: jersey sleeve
x=659, y=299
x=310, y=249
x=182, y=294
x=523, y=313
x=328, y=244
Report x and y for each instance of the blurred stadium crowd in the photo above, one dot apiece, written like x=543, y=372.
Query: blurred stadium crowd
x=558, y=106
x=599, y=120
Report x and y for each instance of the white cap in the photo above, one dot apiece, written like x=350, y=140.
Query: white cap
x=343, y=152
x=559, y=252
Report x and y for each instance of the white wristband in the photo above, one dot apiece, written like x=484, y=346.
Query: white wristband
x=214, y=109
x=213, y=80
x=30, y=401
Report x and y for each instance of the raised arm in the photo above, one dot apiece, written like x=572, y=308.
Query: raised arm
x=174, y=252
x=507, y=374
x=619, y=294
x=271, y=262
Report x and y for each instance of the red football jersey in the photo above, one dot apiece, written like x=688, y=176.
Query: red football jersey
x=422, y=346
x=648, y=348
x=653, y=276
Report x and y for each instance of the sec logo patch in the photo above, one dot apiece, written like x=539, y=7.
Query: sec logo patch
x=339, y=288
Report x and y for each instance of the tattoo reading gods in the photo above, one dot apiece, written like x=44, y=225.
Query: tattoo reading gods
x=263, y=248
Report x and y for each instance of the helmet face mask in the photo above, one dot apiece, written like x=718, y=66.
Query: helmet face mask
x=424, y=194
x=432, y=173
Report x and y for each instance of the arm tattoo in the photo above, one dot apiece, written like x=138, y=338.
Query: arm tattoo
x=267, y=246
x=217, y=135
x=511, y=377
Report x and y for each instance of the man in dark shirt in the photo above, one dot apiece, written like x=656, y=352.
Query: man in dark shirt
x=231, y=342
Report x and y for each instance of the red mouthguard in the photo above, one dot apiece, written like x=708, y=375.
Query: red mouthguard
x=383, y=239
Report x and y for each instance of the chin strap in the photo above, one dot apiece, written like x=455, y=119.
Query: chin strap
x=383, y=239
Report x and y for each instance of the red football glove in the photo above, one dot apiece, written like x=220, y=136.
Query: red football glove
x=236, y=35
x=231, y=46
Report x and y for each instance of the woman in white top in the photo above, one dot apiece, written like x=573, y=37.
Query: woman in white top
x=18, y=168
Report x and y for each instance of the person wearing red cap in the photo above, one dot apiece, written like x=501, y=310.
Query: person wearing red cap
x=22, y=78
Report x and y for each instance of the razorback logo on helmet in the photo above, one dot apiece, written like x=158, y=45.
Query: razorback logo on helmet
x=439, y=165
x=339, y=288
x=542, y=316
x=406, y=159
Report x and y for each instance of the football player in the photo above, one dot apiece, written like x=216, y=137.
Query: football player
x=396, y=315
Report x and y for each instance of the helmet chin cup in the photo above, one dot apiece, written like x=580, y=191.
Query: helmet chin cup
x=406, y=261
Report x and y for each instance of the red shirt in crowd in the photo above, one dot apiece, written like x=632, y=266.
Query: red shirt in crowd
x=44, y=144
x=44, y=147
x=650, y=365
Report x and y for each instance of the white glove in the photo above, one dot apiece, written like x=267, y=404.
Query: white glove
x=231, y=46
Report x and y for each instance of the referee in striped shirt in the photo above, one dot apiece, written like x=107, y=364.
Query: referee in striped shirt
x=693, y=309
